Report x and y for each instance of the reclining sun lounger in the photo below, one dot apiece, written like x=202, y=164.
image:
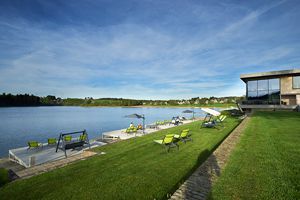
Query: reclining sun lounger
x=168, y=142
x=184, y=136
x=51, y=141
x=221, y=119
x=132, y=129
x=34, y=145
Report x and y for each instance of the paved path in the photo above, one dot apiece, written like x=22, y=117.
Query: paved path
x=199, y=184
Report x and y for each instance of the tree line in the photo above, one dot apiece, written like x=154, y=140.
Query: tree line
x=28, y=100
x=50, y=100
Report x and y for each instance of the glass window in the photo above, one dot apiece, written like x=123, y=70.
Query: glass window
x=274, y=84
x=252, y=85
x=263, y=85
x=265, y=91
x=252, y=95
x=296, y=82
x=263, y=95
x=274, y=96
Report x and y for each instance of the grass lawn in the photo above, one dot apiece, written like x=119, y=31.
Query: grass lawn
x=132, y=169
x=266, y=162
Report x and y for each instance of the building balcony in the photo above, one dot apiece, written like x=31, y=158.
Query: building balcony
x=259, y=102
x=268, y=105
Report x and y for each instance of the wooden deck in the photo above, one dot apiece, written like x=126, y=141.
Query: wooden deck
x=33, y=157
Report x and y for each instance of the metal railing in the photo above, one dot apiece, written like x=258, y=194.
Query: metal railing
x=259, y=102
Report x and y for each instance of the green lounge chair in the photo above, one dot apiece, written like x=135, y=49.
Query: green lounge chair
x=128, y=130
x=131, y=130
x=184, y=136
x=222, y=118
x=169, y=141
x=51, y=141
x=160, y=123
x=34, y=145
x=68, y=138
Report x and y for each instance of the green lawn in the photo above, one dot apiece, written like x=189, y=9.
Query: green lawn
x=266, y=162
x=132, y=169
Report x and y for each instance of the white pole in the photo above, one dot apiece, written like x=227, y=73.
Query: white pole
x=143, y=124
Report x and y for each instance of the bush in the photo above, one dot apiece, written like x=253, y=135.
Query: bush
x=3, y=176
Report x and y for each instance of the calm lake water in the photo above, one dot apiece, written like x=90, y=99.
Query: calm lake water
x=21, y=124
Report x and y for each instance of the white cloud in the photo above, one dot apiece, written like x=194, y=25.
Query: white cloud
x=137, y=60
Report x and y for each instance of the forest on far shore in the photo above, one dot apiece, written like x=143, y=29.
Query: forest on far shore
x=9, y=100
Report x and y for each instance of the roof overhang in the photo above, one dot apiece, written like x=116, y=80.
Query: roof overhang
x=272, y=74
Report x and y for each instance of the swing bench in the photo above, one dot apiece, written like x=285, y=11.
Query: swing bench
x=212, y=118
x=66, y=142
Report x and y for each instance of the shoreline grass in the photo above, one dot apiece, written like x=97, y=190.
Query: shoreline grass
x=132, y=169
x=266, y=162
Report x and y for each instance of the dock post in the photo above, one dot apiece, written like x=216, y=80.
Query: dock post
x=31, y=161
x=60, y=138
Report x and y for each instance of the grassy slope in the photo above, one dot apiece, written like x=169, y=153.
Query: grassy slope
x=266, y=162
x=131, y=169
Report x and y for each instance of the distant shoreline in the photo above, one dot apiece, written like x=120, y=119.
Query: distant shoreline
x=138, y=106
x=185, y=106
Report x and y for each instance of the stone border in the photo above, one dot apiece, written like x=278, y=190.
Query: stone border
x=199, y=184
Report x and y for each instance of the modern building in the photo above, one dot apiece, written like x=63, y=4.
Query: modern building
x=272, y=89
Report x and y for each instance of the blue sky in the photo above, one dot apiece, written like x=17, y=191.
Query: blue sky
x=143, y=49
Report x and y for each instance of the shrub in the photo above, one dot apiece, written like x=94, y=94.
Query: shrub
x=3, y=176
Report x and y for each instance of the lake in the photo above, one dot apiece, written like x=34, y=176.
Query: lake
x=18, y=125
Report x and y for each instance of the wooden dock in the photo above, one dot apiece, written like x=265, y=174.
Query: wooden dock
x=32, y=157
